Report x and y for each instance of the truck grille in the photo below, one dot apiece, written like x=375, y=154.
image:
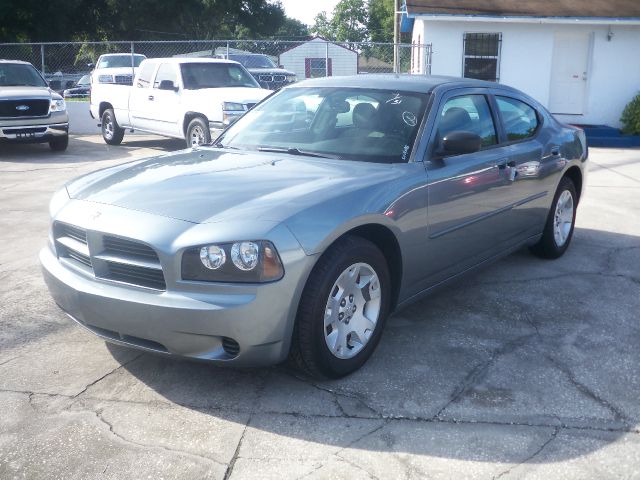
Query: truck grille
x=24, y=108
x=112, y=258
x=123, y=79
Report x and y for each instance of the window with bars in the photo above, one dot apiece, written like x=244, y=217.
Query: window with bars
x=482, y=56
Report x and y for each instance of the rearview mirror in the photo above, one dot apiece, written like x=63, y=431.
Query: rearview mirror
x=460, y=142
x=167, y=85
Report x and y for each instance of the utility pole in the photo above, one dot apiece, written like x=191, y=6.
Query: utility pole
x=396, y=36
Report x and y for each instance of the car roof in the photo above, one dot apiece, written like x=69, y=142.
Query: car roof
x=128, y=54
x=2, y=60
x=190, y=60
x=392, y=81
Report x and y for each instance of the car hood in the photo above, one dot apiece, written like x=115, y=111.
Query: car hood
x=8, y=93
x=270, y=71
x=212, y=185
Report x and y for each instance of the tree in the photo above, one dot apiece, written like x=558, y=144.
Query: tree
x=380, y=20
x=292, y=29
x=348, y=22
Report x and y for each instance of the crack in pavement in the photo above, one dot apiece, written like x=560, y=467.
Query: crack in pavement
x=480, y=370
x=586, y=391
x=122, y=365
x=553, y=436
x=99, y=416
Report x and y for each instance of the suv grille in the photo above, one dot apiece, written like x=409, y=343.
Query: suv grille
x=24, y=108
x=112, y=258
x=123, y=79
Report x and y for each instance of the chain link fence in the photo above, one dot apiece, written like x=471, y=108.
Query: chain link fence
x=63, y=64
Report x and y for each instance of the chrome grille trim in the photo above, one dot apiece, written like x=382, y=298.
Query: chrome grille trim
x=109, y=257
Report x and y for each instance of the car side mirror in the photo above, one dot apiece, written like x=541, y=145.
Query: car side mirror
x=90, y=65
x=167, y=85
x=460, y=142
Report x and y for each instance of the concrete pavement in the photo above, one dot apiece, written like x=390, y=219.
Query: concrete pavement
x=528, y=369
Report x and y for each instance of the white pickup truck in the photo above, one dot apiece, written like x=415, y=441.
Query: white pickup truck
x=190, y=98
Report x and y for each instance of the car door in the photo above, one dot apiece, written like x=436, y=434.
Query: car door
x=468, y=194
x=528, y=159
x=140, y=105
x=164, y=103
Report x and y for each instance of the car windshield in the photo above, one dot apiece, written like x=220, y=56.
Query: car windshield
x=20, y=75
x=214, y=75
x=346, y=123
x=85, y=80
x=253, y=61
x=119, y=61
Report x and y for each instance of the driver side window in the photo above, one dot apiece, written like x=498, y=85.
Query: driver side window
x=467, y=113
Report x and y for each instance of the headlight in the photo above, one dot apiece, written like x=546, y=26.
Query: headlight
x=245, y=262
x=291, y=78
x=233, y=107
x=57, y=105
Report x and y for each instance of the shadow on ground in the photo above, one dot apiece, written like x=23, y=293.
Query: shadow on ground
x=495, y=368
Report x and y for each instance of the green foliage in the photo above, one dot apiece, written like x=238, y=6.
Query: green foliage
x=380, y=20
x=38, y=21
x=631, y=117
x=348, y=22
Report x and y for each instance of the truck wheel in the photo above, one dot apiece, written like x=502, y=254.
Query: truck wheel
x=111, y=131
x=198, y=132
x=59, y=144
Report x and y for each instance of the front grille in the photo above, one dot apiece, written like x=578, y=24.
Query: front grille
x=109, y=257
x=127, y=247
x=123, y=79
x=24, y=108
x=230, y=346
x=136, y=275
x=266, y=78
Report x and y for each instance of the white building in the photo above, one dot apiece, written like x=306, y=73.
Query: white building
x=580, y=58
x=320, y=58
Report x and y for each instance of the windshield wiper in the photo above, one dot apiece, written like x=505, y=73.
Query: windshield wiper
x=296, y=151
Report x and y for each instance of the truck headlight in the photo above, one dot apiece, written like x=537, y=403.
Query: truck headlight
x=238, y=262
x=57, y=105
x=233, y=107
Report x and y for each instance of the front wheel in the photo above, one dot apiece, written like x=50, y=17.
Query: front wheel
x=342, y=310
x=112, y=133
x=558, y=230
x=59, y=144
x=198, y=132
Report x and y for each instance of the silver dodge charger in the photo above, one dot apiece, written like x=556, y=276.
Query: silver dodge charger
x=326, y=207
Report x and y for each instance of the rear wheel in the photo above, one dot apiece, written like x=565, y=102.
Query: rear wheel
x=59, y=144
x=112, y=133
x=198, y=132
x=558, y=230
x=342, y=310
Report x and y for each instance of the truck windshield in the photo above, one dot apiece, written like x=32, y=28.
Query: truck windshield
x=366, y=125
x=253, y=61
x=20, y=75
x=215, y=75
x=119, y=61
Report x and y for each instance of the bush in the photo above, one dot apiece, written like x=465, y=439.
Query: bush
x=631, y=117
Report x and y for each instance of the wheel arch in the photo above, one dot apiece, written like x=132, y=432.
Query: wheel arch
x=188, y=116
x=104, y=106
x=575, y=175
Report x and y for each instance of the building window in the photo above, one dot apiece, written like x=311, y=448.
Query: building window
x=317, y=67
x=482, y=56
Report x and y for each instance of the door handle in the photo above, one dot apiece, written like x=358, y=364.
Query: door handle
x=151, y=97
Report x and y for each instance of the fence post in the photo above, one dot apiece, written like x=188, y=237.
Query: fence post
x=133, y=63
x=326, y=58
x=42, y=57
x=227, y=49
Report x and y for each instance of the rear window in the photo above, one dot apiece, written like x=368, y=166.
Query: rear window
x=146, y=73
x=519, y=119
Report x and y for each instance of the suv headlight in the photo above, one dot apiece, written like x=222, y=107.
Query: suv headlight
x=239, y=262
x=57, y=105
x=232, y=111
x=233, y=107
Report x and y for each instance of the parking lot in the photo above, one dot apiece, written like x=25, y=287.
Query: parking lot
x=529, y=368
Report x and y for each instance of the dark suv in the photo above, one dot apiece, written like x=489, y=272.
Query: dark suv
x=267, y=73
x=30, y=112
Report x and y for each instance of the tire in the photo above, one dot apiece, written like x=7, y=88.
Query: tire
x=112, y=133
x=311, y=351
x=198, y=132
x=558, y=229
x=59, y=144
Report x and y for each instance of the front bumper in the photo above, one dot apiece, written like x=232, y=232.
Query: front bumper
x=190, y=319
x=32, y=132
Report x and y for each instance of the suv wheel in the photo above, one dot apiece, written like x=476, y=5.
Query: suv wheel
x=198, y=132
x=59, y=144
x=112, y=133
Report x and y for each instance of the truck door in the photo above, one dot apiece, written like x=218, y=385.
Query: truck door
x=140, y=106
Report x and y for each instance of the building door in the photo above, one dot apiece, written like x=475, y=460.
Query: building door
x=569, y=73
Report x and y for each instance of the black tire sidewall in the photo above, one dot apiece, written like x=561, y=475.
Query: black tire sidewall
x=59, y=144
x=348, y=254
x=205, y=127
x=549, y=245
x=118, y=133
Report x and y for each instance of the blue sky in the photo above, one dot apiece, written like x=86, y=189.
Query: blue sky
x=306, y=10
